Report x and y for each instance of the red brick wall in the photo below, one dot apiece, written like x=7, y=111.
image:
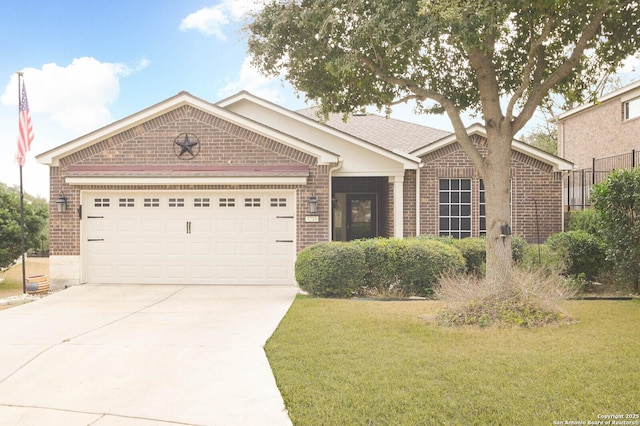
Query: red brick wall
x=530, y=180
x=409, y=188
x=221, y=143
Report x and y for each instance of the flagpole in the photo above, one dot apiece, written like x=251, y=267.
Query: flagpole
x=22, y=240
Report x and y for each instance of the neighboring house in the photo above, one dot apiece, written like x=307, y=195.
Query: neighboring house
x=192, y=192
x=609, y=127
x=598, y=138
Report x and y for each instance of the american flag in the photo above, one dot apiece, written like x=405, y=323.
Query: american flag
x=25, y=128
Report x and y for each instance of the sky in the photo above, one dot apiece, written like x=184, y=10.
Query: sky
x=87, y=64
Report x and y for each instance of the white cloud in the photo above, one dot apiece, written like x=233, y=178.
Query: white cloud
x=212, y=20
x=75, y=96
x=65, y=102
x=251, y=80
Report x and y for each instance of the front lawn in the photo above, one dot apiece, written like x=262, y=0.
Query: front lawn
x=350, y=362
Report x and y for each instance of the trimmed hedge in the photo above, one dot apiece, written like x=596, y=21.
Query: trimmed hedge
x=332, y=269
x=380, y=265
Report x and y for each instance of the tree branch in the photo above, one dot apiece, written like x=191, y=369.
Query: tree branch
x=562, y=71
x=421, y=94
x=534, y=50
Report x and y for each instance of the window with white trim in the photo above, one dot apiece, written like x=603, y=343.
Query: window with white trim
x=101, y=202
x=201, y=202
x=125, y=202
x=176, y=202
x=252, y=202
x=454, y=207
x=278, y=202
x=227, y=202
x=482, y=207
x=631, y=109
x=151, y=202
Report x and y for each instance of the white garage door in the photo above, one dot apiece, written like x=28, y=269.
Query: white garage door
x=188, y=238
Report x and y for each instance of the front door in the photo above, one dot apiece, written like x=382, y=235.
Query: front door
x=361, y=215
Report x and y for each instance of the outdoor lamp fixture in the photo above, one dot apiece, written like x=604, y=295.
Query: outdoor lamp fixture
x=313, y=204
x=61, y=203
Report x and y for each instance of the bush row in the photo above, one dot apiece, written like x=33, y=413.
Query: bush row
x=375, y=266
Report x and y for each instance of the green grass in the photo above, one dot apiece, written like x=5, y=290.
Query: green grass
x=347, y=362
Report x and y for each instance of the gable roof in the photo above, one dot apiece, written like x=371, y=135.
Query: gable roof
x=558, y=163
x=53, y=156
x=402, y=156
x=611, y=95
x=386, y=132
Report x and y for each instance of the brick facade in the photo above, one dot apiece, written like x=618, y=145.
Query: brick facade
x=530, y=180
x=221, y=144
x=224, y=144
x=597, y=132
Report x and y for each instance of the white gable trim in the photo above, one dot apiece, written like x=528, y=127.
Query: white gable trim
x=407, y=160
x=559, y=164
x=622, y=91
x=53, y=156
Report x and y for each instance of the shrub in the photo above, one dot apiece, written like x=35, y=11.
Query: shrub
x=587, y=220
x=580, y=254
x=518, y=248
x=375, y=267
x=617, y=200
x=527, y=301
x=332, y=269
x=406, y=267
x=423, y=262
x=474, y=251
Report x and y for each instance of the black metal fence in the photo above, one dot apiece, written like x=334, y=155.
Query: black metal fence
x=578, y=183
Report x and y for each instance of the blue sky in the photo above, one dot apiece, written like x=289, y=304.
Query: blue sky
x=88, y=63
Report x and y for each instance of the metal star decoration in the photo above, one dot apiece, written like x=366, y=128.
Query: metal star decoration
x=186, y=146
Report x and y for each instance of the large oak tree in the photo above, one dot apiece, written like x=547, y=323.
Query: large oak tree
x=500, y=59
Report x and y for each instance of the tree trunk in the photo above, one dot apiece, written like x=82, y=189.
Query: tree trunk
x=497, y=183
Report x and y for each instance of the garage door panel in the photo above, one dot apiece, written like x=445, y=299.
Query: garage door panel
x=199, y=238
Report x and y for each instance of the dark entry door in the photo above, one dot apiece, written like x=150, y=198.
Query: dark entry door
x=362, y=221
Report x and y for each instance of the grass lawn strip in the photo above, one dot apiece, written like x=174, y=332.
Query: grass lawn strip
x=378, y=363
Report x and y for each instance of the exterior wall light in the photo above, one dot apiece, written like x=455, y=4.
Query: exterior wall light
x=61, y=203
x=313, y=205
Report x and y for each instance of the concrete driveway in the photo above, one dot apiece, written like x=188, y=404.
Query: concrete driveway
x=142, y=355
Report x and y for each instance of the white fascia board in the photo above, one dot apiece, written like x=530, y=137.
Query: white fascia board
x=200, y=180
x=558, y=163
x=52, y=156
x=608, y=96
x=409, y=161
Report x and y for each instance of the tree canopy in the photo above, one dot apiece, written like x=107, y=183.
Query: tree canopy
x=36, y=215
x=499, y=59
x=463, y=55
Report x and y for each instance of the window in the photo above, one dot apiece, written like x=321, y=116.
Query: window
x=252, y=202
x=483, y=210
x=201, y=202
x=176, y=202
x=151, y=202
x=227, y=202
x=482, y=207
x=125, y=202
x=278, y=202
x=632, y=109
x=101, y=202
x=454, y=207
